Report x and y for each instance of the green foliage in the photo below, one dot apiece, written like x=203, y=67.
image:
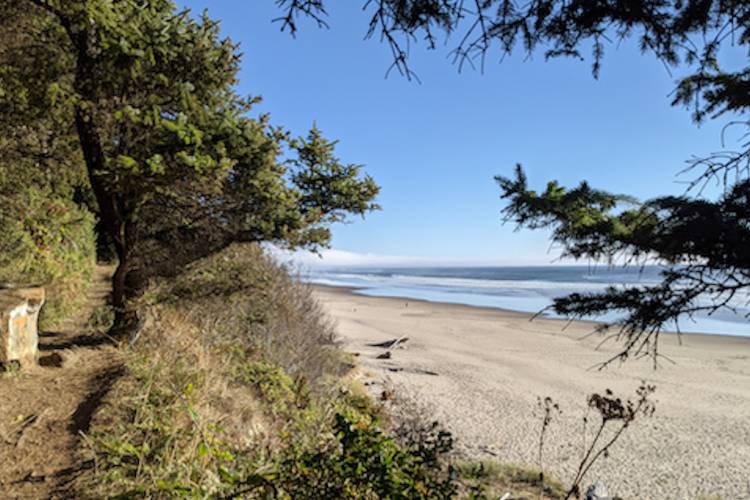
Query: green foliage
x=328, y=190
x=235, y=403
x=47, y=236
x=101, y=318
x=364, y=462
x=271, y=383
x=47, y=241
x=176, y=167
x=581, y=218
x=36, y=144
x=703, y=242
x=490, y=479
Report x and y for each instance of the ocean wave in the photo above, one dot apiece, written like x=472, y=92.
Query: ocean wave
x=531, y=293
x=483, y=284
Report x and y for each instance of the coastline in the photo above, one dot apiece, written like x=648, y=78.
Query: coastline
x=480, y=370
x=739, y=340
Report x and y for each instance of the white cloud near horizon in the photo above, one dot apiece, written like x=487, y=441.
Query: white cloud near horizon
x=344, y=258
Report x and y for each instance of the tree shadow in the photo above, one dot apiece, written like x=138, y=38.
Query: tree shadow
x=80, y=421
x=83, y=340
x=44, y=335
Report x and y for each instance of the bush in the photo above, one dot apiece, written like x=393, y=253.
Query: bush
x=365, y=462
x=49, y=241
x=243, y=298
x=235, y=388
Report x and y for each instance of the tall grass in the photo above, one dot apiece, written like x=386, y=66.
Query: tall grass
x=235, y=388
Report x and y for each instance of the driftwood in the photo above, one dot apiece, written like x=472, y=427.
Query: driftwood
x=390, y=344
x=417, y=371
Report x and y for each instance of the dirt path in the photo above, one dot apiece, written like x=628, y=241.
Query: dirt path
x=44, y=409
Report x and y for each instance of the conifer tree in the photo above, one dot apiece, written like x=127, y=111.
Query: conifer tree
x=143, y=97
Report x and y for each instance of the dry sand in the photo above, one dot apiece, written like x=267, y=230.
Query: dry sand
x=480, y=372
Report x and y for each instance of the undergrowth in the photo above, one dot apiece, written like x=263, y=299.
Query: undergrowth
x=48, y=241
x=235, y=388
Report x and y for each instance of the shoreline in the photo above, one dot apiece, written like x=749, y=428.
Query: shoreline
x=479, y=371
x=742, y=340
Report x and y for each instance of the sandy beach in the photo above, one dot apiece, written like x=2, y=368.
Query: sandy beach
x=480, y=372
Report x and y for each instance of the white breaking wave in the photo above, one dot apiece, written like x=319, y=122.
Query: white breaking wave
x=530, y=295
x=457, y=283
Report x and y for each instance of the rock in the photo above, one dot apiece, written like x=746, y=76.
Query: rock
x=597, y=491
x=385, y=355
x=19, y=316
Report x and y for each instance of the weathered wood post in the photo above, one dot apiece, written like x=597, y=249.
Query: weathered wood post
x=19, y=316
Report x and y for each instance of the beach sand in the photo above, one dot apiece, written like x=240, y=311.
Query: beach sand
x=480, y=372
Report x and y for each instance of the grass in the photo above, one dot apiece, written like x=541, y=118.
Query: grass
x=236, y=388
x=101, y=318
x=492, y=479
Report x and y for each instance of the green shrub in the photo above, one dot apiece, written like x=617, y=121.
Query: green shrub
x=49, y=241
x=365, y=462
x=234, y=389
x=272, y=384
x=101, y=318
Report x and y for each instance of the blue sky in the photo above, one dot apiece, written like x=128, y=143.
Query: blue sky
x=434, y=147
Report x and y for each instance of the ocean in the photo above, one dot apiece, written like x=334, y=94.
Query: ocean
x=528, y=289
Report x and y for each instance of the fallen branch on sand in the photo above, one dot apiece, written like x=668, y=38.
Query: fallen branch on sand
x=391, y=344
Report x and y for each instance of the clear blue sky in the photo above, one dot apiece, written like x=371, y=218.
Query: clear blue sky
x=434, y=148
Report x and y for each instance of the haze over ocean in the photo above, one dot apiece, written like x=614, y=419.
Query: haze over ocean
x=527, y=289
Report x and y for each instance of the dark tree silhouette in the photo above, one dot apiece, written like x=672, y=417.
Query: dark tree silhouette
x=704, y=244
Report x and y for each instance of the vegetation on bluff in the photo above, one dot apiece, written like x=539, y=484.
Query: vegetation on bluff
x=235, y=387
x=120, y=125
x=50, y=241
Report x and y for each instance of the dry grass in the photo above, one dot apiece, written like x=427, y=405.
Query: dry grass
x=241, y=297
x=235, y=387
x=234, y=361
x=491, y=479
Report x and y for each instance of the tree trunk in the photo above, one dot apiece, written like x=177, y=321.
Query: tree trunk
x=111, y=210
x=112, y=216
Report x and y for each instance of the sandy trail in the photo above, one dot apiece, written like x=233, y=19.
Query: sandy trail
x=492, y=366
x=44, y=410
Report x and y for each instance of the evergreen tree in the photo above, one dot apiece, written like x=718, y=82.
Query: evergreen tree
x=142, y=96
